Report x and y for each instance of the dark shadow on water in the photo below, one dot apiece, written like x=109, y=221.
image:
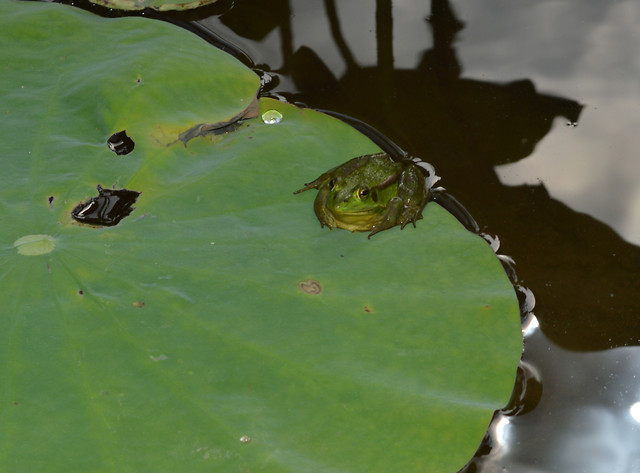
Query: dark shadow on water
x=582, y=273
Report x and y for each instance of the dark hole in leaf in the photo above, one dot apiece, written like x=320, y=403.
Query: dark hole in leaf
x=111, y=206
x=120, y=143
x=50, y=200
x=80, y=292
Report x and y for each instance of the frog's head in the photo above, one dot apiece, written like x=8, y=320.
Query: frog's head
x=355, y=204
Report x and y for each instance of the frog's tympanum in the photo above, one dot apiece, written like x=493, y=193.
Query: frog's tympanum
x=370, y=193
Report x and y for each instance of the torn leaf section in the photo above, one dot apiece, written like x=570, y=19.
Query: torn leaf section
x=107, y=209
x=204, y=129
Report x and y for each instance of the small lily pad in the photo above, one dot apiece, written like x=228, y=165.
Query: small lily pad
x=160, y=5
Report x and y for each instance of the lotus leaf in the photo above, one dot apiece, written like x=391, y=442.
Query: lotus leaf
x=217, y=327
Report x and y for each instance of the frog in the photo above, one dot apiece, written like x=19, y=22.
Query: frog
x=370, y=193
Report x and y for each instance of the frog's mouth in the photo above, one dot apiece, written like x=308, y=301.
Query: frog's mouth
x=369, y=211
x=359, y=212
x=357, y=220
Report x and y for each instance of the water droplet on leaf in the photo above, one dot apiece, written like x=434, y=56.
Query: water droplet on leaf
x=271, y=117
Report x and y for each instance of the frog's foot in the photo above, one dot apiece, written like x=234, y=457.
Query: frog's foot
x=391, y=217
x=315, y=184
x=408, y=218
x=325, y=217
x=307, y=186
x=410, y=214
x=328, y=225
x=378, y=229
x=326, y=222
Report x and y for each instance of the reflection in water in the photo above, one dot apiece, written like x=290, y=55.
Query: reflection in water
x=585, y=420
x=588, y=50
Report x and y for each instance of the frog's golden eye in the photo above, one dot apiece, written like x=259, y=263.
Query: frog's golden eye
x=363, y=193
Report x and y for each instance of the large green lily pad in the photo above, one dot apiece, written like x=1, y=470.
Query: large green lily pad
x=218, y=327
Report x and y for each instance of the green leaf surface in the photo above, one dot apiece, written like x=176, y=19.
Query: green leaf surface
x=218, y=327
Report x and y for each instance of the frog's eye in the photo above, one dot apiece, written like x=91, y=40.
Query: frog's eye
x=332, y=183
x=363, y=193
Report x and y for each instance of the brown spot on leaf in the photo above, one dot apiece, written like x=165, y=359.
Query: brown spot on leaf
x=367, y=309
x=310, y=286
x=138, y=304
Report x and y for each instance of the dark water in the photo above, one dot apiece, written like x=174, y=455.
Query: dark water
x=529, y=112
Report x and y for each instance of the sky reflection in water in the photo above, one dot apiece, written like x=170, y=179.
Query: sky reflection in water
x=584, y=421
x=586, y=51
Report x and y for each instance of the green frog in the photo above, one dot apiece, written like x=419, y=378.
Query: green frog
x=370, y=193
